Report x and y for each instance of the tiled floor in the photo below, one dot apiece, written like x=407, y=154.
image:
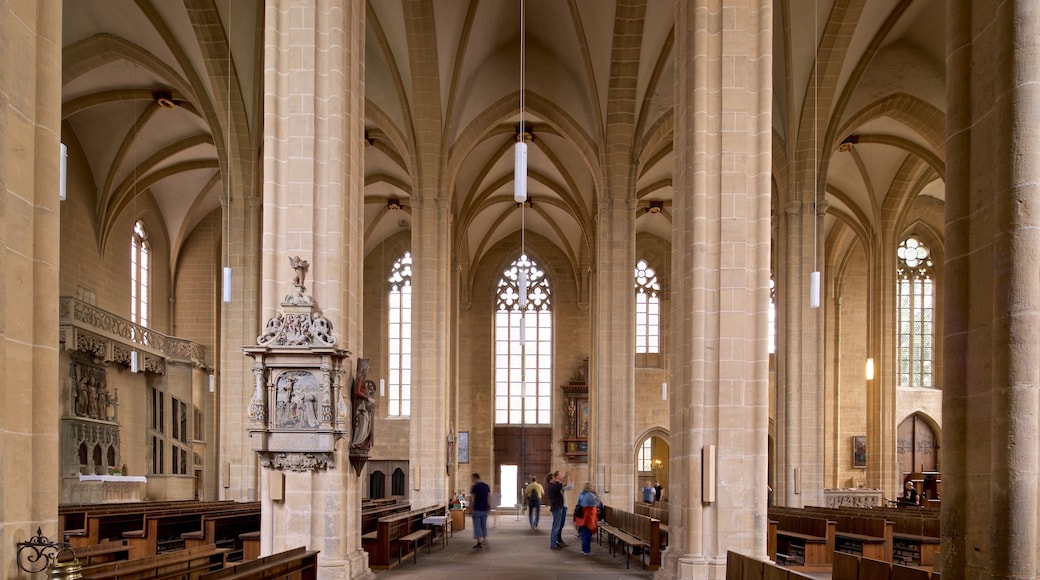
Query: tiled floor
x=515, y=552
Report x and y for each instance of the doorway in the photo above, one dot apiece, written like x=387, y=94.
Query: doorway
x=529, y=449
x=507, y=481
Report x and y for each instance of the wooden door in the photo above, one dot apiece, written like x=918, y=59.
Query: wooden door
x=529, y=448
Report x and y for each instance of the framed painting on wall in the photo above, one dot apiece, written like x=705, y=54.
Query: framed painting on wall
x=859, y=451
x=463, y=446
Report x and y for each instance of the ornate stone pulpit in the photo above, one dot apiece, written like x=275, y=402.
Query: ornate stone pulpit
x=299, y=408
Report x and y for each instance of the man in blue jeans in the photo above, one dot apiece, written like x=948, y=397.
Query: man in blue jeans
x=557, y=506
x=478, y=499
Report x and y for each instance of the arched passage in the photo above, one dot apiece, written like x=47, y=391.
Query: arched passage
x=651, y=463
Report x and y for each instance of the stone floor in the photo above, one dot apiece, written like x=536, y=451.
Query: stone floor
x=515, y=552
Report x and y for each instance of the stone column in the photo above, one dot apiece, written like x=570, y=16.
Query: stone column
x=613, y=379
x=238, y=325
x=430, y=354
x=431, y=269
x=312, y=208
x=720, y=273
x=992, y=335
x=30, y=118
x=613, y=375
x=789, y=407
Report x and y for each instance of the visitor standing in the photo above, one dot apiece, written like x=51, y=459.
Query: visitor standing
x=479, y=495
x=648, y=492
x=586, y=517
x=557, y=506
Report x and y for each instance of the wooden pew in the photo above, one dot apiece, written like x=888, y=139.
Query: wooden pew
x=658, y=511
x=250, y=545
x=852, y=567
x=224, y=531
x=803, y=540
x=915, y=533
x=370, y=517
x=385, y=547
x=163, y=531
x=108, y=522
x=295, y=564
x=868, y=537
x=633, y=531
x=741, y=567
x=182, y=564
x=102, y=553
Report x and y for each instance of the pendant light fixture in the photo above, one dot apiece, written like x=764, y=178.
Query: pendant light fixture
x=814, y=277
x=226, y=280
x=520, y=149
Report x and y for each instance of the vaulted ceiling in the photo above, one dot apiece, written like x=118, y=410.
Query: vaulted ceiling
x=881, y=78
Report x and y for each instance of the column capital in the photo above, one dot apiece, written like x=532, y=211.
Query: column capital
x=793, y=208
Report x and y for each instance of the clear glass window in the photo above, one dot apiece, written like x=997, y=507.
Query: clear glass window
x=648, y=310
x=914, y=312
x=523, y=347
x=399, y=338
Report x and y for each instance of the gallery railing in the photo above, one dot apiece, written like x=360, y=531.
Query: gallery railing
x=108, y=337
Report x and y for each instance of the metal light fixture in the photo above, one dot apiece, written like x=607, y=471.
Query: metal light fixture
x=869, y=370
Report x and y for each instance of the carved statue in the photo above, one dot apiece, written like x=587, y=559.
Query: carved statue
x=300, y=266
x=321, y=329
x=81, y=397
x=271, y=330
x=364, y=409
x=92, y=399
x=103, y=402
x=571, y=410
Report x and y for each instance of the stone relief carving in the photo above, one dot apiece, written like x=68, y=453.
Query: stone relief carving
x=257, y=405
x=296, y=461
x=296, y=400
x=300, y=329
x=90, y=394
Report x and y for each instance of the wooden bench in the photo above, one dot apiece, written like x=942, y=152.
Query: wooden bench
x=741, y=567
x=412, y=540
x=250, y=545
x=915, y=534
x=658, y=511
x=113, y=551
x=296, y=564
x=74, y=520
x=390, y=530
x=632, y=531
x=224, y=531
x=370, y=516
x=183, y=564
x=802, y=540
x=868, y=537
x=852, y=567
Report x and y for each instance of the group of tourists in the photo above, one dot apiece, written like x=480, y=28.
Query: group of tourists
x=586, y=511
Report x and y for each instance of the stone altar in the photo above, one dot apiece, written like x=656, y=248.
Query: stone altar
x=103, y=489
x=853, y=497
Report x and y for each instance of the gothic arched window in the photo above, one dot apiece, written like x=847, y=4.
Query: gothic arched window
x=523, y=347
x=645, y=457
x=399, y=338
x=914, y=314
x=139, y=279
x=648, y=310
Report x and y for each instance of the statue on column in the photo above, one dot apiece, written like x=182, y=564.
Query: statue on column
x=300, y=267
x=364, y=409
